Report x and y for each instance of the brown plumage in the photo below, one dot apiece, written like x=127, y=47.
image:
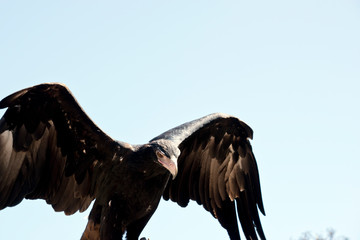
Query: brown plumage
x=50, y=149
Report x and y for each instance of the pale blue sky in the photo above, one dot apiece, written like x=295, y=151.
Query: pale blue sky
x=290, y=69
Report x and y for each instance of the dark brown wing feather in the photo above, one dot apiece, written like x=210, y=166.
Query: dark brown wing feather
x=216, y=169
x=50, y=149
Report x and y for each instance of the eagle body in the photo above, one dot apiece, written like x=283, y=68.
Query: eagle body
x=119, y=208
x=50, y=149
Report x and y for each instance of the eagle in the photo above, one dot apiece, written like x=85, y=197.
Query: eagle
x=50, y=149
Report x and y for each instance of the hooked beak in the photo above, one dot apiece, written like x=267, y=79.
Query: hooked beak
x=169, y=164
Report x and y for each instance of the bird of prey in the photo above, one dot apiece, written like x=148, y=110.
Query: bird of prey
x=50, y=149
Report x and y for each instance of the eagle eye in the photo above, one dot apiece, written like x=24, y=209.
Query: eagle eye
x=160, y=154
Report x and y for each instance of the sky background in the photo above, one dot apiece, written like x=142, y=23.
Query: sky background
x=290, y=69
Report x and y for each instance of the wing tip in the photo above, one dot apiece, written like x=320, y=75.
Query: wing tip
x=261, y=208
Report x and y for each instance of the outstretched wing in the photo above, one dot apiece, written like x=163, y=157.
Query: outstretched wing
x=216, y=169
x=50, y=149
